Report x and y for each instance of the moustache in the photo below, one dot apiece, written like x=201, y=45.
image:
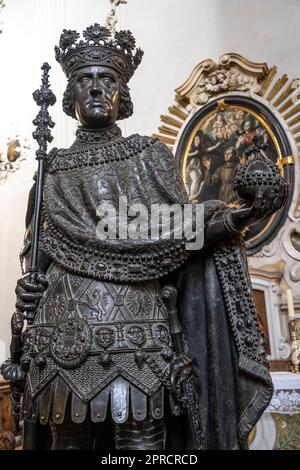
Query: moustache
x=95, y=103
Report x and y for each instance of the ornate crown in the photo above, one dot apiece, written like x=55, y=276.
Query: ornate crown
x=98, y=47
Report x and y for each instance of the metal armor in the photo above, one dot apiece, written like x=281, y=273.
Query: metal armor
x=97, y=345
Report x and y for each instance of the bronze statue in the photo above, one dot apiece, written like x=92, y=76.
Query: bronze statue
x=140, y=343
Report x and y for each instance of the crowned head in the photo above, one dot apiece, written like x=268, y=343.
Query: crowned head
x=98, y=66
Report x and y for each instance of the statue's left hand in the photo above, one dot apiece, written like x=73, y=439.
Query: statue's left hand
x=264, y=205
x=181, y=367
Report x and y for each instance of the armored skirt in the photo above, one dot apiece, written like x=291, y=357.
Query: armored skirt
x=98, y=344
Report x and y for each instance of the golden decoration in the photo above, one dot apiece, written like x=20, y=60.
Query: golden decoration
x=221, y=105
x=168, y=130
x=266, y=83
x=279, y=84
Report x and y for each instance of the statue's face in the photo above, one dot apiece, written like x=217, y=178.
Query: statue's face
x=97, y=96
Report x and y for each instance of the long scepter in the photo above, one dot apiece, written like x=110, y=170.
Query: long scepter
x=44, y=97
x=11, y=369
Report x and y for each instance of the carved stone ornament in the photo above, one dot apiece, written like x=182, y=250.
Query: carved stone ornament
x=217, y=82
x=12, y=153
x=213, y=105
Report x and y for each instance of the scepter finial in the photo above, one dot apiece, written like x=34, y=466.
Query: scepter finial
x=44, y=97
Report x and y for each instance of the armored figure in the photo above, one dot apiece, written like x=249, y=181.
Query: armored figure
x=135, y=343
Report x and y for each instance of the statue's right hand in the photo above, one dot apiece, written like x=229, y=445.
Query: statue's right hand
x=12, y=372
x=181, y=367
x=29, y=292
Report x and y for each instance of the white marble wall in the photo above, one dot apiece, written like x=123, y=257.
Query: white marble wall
x=175, y=35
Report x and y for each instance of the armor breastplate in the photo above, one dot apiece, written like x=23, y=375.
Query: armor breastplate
x=92, y=333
